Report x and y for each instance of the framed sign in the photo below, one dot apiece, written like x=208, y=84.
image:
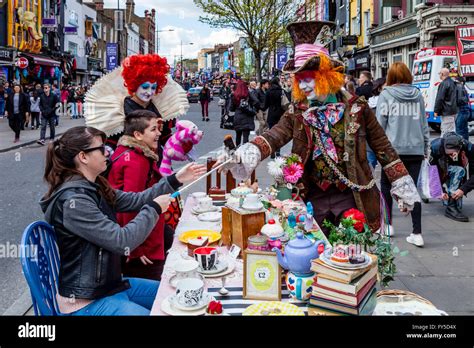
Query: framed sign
x=262, y=276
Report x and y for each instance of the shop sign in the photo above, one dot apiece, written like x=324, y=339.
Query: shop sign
x=6, y=55
x=394, y=34
x=465, y=49
x=447, y=20
x=349, y=40
x=22, y=63
x=70, y=30
x=49, y=23
x=362, y=62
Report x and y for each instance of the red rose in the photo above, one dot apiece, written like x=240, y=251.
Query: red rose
x=214, y=307
x=357, y=216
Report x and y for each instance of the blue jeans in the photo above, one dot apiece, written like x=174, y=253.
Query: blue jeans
x=137, y=300
x=371, y=157
x=2, y=107
x=462, y=120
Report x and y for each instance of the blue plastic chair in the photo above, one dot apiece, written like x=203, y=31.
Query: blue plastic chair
x=40, y=263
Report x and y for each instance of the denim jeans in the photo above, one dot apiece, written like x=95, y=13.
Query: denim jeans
x=371, y=158
x=2, y=107
x=44, y=123
x=462, y=120
x=137, y=300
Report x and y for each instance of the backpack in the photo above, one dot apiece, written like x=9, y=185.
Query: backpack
x=462, y=98
x=247, y=108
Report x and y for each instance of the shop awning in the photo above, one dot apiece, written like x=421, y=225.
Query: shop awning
x=40, y=60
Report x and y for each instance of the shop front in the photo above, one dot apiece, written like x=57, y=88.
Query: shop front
x=393, y=42
x=7, y=63
x=94, y=66
x=38, y=69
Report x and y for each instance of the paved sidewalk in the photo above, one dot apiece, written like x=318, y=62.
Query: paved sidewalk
x=28, y=136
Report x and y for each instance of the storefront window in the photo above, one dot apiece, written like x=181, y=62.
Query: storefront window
x=72, y=47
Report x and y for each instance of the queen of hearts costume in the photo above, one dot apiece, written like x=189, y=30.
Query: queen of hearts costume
x=329, y=132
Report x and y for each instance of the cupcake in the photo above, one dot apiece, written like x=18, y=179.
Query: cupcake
x=272, y=230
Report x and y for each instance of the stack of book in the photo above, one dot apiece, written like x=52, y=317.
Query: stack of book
x=343, y=292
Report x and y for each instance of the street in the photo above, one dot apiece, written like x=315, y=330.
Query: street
x=441, y=271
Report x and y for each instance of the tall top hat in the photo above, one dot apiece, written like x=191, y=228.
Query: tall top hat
x=311, y=39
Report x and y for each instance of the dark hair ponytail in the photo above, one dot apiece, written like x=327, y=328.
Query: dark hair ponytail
x=60, y=165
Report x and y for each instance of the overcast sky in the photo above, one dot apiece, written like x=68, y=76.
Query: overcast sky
x=183, y=17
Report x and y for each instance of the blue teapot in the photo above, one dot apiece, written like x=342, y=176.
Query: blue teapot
x=298, y=254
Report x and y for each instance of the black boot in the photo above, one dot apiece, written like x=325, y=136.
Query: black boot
x=454, y=213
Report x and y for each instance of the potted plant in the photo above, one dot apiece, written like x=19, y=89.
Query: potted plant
x=286, y=171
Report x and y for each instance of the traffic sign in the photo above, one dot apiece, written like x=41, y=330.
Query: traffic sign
x=22, y=63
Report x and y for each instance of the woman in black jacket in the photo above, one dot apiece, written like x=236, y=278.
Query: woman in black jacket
x=244, y=113
x=205, y=98
x=17, y=108
x=273, y=104
x=81, y=206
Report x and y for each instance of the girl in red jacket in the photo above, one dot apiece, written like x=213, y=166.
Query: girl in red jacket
x=134, y=169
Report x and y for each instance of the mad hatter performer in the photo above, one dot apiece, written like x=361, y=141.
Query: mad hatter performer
x=142, y=82
x=329, y=128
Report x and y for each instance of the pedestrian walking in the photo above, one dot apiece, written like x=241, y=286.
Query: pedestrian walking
x=3, y=97
x=16, y=110
x=35, y=110
x=224, y=95
x=445, y=103
x=464, y=114
x=262, y=114
x=49, y=107
x=365, y=85
x=401, y=113
x=451, y=154
x=72, y=102
x=244, y=113
x=64, y=99
x=273, y=103
x=205, y=98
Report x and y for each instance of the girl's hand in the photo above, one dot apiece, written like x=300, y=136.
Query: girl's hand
x=190, y=172
x=145, y=260
x=164, y=201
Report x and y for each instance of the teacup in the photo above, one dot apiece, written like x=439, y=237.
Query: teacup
x=186, y=269
x=204, y=203
x=198, y=195
x=189, y=292
x=252, y=200
x=206, y=257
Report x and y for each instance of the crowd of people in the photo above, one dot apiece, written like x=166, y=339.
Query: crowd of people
x=38, y=106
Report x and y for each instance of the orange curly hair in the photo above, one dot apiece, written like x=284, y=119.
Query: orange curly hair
x=328, y=79
x=141, y=68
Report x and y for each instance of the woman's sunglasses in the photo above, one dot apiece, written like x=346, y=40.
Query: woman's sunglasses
x=101, y=148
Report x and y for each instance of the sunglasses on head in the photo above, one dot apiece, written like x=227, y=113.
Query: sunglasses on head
x=101, y=148
x=147, y=85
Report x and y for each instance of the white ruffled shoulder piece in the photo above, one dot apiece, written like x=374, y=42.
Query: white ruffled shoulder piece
x=172, y=102
x=104, y=102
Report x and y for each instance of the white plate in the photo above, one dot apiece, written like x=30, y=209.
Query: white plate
x=206, y=298
x=325, y=257
x=230, y=268
x=169, y=309
x=197, y=211
x=199, y=194
x=218, y=268
x=210, y=217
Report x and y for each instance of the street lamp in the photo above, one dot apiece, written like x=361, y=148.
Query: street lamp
x=158, y=39
x=182, y=70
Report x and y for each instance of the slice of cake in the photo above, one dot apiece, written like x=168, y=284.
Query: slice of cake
x=194, y=243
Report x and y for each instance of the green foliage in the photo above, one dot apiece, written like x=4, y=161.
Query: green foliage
x=377, y=244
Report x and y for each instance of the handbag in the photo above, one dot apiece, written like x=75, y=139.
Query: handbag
x=247, y=108
x=228, y=122
x=285, y=103
x=429, y=183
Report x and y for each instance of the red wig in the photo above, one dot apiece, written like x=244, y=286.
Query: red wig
x=140, y=68
x=241, y=92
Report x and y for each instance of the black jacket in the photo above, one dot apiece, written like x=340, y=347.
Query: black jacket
x=225, y=93
x=24, y=104
x=205, y=94
x=273, y=104
x=468, y=185
x=242, y=120
x=261, y=98
x=91, y=242
x=439, y=157
x=365, y=90
x=253, y=97
x=48, y=105
x=446, y=101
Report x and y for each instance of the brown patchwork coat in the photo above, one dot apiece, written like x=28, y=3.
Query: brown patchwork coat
x=360, y=127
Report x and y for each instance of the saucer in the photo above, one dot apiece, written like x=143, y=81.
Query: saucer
x=218, y=268
x=252, y=207
x=210, y=217
x=168, y=308
x=229, y=269
x=197, y=211
x=206, y=298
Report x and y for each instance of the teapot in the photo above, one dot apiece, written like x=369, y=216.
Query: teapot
x=298, y=254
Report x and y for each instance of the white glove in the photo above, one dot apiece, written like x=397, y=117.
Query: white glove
x=405, y=193
x=244, y=161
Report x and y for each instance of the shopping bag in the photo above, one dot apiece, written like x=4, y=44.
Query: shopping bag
x=429, y=183
x=228, y=122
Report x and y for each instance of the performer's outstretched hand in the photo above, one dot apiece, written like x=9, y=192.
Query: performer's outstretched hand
x=405, y=193
x=244, y=161
x=190, y=172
